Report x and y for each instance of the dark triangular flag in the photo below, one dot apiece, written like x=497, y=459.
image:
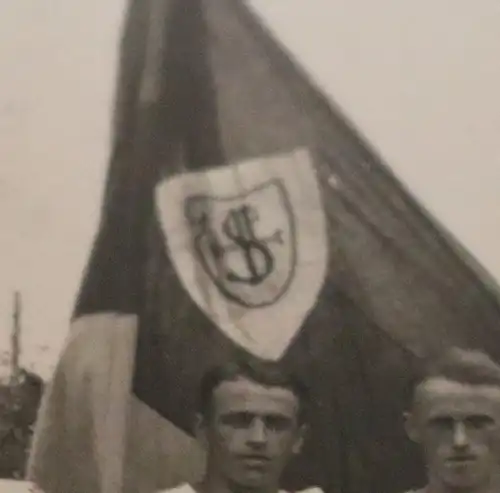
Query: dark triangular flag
x=243, y=213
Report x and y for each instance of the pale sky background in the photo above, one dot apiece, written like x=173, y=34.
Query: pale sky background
x=420, y=79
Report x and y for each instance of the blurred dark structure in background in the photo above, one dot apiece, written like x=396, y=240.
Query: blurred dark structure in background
x=19, y=402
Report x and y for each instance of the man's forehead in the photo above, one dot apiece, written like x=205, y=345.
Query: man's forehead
x=440, y=392
x=245, y=393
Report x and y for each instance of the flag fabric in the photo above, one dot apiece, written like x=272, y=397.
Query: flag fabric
x=244, y=214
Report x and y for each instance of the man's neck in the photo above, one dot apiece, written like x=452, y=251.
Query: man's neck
x=211, y=484
x=438, y=487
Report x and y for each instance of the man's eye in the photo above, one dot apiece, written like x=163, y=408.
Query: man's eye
x=479, y=421
x=245, y=420
x=237, y=420
x=277, y=423
x=442, y=423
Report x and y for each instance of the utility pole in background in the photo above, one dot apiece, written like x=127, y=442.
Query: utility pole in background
x=16, y=338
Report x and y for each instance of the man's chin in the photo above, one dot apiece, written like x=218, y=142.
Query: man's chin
x=462, y=481
x=253, y=480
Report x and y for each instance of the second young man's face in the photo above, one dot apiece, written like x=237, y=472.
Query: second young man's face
x=458, y=426
x=252, y=432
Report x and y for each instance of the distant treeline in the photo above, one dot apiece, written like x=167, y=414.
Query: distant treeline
x=19, y=404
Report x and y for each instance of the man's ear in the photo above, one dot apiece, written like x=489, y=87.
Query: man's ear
x=411, y=427
x=200, y=430
x=299, y=440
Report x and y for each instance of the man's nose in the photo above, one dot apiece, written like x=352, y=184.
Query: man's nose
x=257, y=432
x=460, y=435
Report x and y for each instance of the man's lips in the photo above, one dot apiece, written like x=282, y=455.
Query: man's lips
x=461, y=459
x=254, y=459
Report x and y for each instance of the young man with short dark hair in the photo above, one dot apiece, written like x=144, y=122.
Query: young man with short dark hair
x=455, y=418
x=251, y=422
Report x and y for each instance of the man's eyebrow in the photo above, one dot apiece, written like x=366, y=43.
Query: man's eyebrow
x=441, y=417
x=464, y=417
x=479, y=416
x=274, y=414
x=243, y=412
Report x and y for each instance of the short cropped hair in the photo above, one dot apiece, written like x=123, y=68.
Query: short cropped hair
x=266, y=373
x=466, y=366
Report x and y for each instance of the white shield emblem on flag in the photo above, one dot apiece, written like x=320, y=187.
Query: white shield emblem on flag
x=248, y=242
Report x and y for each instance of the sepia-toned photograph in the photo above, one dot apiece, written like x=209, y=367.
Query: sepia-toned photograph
x=249, y=246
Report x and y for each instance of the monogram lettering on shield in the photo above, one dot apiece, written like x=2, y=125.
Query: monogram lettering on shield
x=245, y=243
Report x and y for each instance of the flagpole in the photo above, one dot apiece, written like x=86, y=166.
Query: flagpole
x=16, y=337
